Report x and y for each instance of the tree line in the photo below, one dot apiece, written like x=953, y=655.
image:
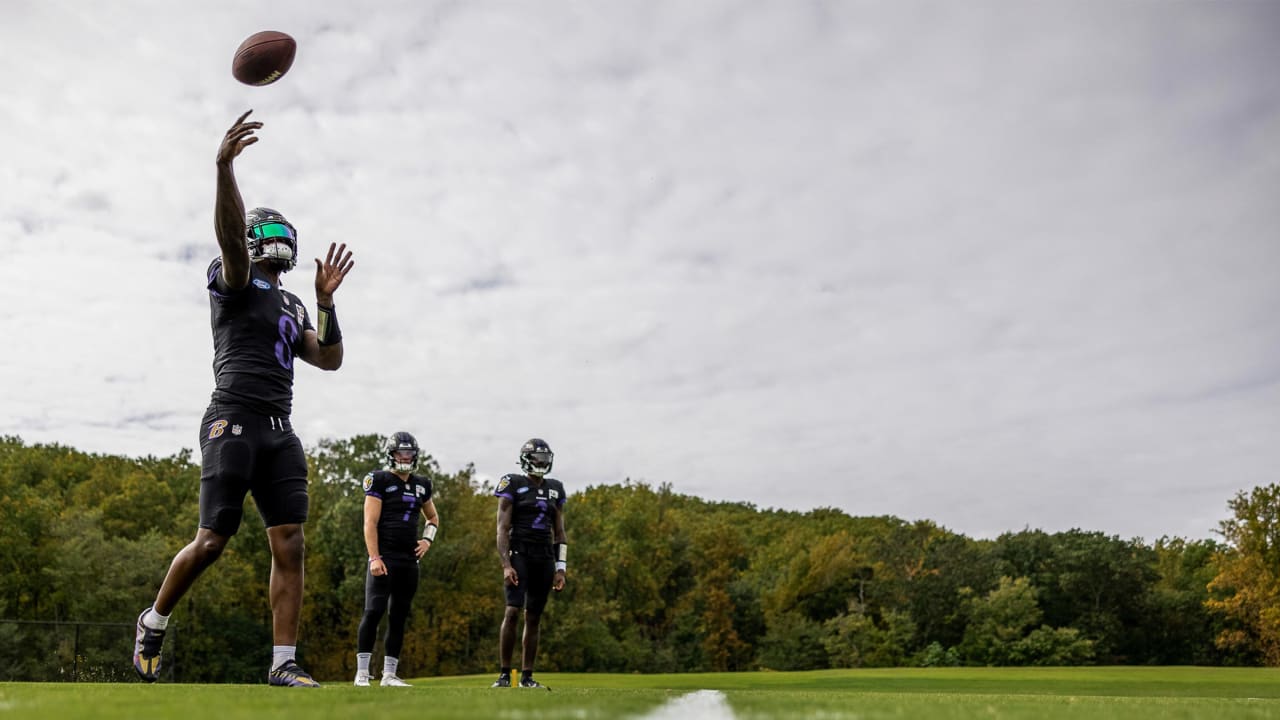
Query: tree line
x=658, y=582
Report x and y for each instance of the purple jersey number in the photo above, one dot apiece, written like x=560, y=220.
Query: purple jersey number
x=540, y=522
x=284, y=346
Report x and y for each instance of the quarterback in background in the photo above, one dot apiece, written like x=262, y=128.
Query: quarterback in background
x=532, y=548
x=392, y=500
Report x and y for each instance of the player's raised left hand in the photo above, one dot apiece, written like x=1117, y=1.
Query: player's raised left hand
x=330, y=273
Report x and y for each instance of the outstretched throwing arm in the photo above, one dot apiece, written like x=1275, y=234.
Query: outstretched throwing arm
x=228, y=209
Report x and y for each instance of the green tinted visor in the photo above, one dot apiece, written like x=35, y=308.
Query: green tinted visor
x=266, y=231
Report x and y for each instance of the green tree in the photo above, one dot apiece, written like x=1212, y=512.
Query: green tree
x=631, y=577
x=856, y=639
x=998, y=620
x=1179, y=628
x=1246, y=591
x=722, y=548
x=1003, y=630
x=935, y=564
x=793, y=642
x=1095, y=583
x=659, y=581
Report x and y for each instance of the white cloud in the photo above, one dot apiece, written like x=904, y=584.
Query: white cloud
x=991, y=264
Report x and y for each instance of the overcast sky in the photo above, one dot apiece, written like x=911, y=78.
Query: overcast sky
x=992, y=264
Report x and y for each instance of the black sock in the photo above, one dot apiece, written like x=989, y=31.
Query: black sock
x=504, y=672
x=525, y=675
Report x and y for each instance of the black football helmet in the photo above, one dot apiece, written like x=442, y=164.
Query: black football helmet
x=270, y=237
x=397, y=444
x=536, y=457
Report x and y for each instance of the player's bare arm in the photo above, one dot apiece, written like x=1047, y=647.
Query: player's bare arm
x=372, y=509
x=433, y=521
x=228, y=209
x=558, y=536
x=506, y=510
x=323, y=346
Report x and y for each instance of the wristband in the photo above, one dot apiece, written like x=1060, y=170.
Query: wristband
x=561, y=566
x=562, y=552
x=429, y=533
x=327, y=330
x=376, y=557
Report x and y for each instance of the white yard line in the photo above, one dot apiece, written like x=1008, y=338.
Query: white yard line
x=700, y=705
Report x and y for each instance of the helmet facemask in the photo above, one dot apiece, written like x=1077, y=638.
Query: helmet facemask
x=404, y=460
x=402, y=453
x=536, y=457
x=271, y=239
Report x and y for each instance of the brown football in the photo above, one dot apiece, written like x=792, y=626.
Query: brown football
x=263, y=58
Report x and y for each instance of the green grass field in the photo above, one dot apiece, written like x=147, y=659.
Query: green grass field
x=960, y=693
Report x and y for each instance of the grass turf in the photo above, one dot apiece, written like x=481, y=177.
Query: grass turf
x=960, y=693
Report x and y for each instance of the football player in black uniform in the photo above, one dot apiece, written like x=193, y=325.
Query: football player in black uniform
x=247, y=443
x=532, y=548
x=392, y=500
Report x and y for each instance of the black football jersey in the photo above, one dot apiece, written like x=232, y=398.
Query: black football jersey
x=534, y=516
x=402, y=503
x=257, y=332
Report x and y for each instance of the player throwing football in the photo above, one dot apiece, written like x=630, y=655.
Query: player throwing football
x=532, y=548
x=247, y=444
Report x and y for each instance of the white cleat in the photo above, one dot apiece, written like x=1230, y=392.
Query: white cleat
x=362, y=679
x=393, y=681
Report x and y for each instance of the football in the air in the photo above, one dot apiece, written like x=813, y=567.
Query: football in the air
x=263, y=58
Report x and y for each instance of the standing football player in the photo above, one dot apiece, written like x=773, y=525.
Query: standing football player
x=392, y=500
x=247, y=444
x=532, y=548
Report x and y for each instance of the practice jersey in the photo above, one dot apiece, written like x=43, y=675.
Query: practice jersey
x=533, y=519
x=257, y=333
x=402, y=502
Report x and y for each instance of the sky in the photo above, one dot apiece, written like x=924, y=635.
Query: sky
x=996, y=265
